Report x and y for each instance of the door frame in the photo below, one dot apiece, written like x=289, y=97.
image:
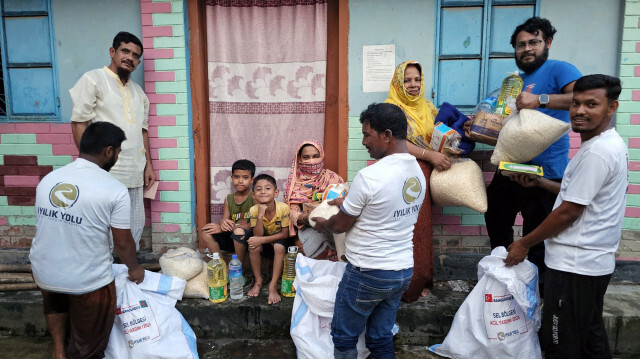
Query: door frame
x=336, y=103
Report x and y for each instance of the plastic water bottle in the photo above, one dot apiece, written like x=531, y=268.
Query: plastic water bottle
x=217, y=277
x=289, y=273
x=488, y=105
x=235, y=278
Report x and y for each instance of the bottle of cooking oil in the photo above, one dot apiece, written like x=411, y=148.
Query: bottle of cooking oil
x=289, y=273
x=217, y=277
x=511, y=87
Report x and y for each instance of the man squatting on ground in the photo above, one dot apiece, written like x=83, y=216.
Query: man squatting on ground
x=106, y=94
x=77, y=206
x=547, y=88
x=378, y=214
x=583, y=231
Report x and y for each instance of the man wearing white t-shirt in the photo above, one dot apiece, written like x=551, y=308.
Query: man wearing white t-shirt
x=77, y=206
x=378, y=214
x=107, y=94
x=583, y=231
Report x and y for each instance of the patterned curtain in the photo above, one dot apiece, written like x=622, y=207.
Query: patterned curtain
x=267, y=79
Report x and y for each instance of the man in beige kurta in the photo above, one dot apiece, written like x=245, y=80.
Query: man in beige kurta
x=107, y=94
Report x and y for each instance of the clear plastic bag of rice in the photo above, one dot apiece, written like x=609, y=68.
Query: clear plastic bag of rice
x=197, y=287
x=460, y=185
x=181, y=262
x=526, y=134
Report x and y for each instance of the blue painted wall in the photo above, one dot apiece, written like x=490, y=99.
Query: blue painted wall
x=409, y=24
x=83, y=38
x=589, y=36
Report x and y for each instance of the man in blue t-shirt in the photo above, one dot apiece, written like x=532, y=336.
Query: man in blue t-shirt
x=548, y=87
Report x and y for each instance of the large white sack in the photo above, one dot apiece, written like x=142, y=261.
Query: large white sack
x=181, y=262
x=316, y=285
x=198, y=286
x=326, y=211
x=500, y=317
x=147, y=324
x=460, y=185
x=526, y=134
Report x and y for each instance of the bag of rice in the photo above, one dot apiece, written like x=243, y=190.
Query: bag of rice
x=525, y=134
x=197, y=287
x=460, y=185
x=326, y=211
x=181, y=262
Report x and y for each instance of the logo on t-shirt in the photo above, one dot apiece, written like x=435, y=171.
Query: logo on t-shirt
x=64, y=195
x=411, y=190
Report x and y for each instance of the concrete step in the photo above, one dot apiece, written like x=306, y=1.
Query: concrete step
x=252, y=320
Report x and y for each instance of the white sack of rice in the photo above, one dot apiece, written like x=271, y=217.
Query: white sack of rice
x=181, y=262
x=197, y=287
x=326, y=211
x=460, y=185
x=525, y=135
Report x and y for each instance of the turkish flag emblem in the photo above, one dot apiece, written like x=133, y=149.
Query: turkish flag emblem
x=488, y=298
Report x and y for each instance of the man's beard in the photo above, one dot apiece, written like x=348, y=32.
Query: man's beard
x=530, y=67
x=123, y=74
x=112, y=161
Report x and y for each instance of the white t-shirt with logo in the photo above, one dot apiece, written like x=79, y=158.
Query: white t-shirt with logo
x=76, y=206
x=597, y=177
x=386, y=197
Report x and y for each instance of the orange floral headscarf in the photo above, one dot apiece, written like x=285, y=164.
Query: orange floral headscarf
x=306, y=178
x=420, y=112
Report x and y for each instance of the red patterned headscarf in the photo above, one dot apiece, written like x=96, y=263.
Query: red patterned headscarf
x=307, y=178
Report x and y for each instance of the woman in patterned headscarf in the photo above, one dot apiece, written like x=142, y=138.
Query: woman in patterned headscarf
x=407, y=92
x=308, y=176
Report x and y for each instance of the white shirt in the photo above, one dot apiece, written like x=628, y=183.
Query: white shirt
x=76, y=206
x=386, y=197
x=597, y=177
x=99, y=95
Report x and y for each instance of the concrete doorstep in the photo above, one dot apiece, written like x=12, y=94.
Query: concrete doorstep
x=251, y=328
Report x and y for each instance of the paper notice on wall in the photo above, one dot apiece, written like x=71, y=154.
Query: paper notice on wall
x=378, y=64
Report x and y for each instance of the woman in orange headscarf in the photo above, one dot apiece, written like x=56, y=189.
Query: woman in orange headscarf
x=308, y=176
x=407, y=92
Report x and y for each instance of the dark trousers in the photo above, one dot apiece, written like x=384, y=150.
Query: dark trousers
x=572, y=325
x=505, y=200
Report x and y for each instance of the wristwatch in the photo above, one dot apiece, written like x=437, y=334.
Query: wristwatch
x=544, y=100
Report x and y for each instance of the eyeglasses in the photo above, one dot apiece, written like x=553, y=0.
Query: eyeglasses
x=520, y=46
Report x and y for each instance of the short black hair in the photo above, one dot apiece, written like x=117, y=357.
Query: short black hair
x=126, y=37
x=599, y=81
x=386, y=116
x=100, y=135
x=244, y=165
x=532, y=26
x=264, y=176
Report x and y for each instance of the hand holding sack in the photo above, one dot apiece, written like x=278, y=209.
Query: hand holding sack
x=500, y=317
x=526, y=134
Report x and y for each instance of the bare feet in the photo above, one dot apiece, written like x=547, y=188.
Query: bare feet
x=425, y=292
x=255, y=291
x=274, y=297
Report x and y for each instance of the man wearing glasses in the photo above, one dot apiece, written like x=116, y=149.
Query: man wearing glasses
x=548, y=87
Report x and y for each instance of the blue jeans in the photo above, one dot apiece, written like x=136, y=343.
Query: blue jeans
x=367, y=298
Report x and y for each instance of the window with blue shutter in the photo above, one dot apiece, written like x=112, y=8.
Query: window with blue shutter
x=473, y=53
x=29, y=77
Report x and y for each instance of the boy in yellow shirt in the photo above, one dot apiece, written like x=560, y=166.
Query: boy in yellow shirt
x=270, y=225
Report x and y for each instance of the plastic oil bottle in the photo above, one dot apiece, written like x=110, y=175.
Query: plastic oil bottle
x=289, y=272
x=217, y=277
x=511, y=87
x=235, y=278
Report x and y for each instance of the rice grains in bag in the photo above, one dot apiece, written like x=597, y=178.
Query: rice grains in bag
x=526, y=134
x=460, y=185
x=181, y=262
